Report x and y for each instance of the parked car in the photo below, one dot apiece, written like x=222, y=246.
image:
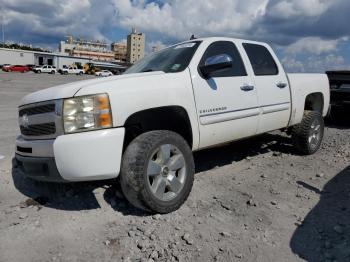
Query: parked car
x=5, y=67
x=16, y=68
x=143, y=125
x=71, y=70
x=340, y=89
x=1, y=66
x=45, y=69
x=104, y=73
x=30, y=66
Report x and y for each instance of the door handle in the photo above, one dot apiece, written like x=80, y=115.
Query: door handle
x=247, y=88
x=281, y=85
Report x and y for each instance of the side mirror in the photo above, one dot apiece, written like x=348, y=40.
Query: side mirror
x=215, y=63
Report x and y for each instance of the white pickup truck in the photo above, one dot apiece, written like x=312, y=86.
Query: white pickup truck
x=142, y=126
x=71, y=70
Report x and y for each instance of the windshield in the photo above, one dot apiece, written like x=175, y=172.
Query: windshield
x=170, y=60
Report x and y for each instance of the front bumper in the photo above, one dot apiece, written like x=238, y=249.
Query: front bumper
x=39, y=168
x=86, y=156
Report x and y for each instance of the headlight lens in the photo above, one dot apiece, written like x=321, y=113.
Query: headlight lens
x=86, y=113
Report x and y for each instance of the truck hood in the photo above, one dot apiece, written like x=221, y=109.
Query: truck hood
x=70, y=89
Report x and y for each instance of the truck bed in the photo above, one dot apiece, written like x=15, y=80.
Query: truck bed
x=340, y=87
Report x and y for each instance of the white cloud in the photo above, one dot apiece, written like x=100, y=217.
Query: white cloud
x=312, y=45
x=291, y=64
x=181, y=18
x=44, y=20
x=298, y=27
x=309, y=8
x=315, y=64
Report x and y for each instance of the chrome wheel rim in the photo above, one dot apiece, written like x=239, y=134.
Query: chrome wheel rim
x=166, y=172
x=315, y=133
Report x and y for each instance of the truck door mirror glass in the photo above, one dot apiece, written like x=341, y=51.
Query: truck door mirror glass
x=216, y=63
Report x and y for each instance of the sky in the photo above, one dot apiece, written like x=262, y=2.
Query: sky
x=307, y=35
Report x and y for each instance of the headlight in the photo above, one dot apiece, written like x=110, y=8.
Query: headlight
x=86, y=113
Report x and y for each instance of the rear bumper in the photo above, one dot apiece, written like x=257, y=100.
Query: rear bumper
x=94, y=155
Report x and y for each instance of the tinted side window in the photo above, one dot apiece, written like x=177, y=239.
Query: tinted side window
x=226, y=47
x=261, y=59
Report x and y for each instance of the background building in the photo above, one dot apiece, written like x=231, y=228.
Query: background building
x=135, y=46
x=120, y=51
x=156, y=48
x=26, y=57
x=96, y=50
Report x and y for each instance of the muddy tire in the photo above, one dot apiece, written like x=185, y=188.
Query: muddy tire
x=307, y=136
x=157, y=171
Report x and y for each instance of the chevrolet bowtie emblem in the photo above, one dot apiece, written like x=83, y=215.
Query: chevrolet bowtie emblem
x=24, y=121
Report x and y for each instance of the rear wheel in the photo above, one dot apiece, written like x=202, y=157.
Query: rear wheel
x=52, y=72
x=157, y=171
x=39, y=71
x=307, y=136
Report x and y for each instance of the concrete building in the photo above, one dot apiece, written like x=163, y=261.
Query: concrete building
x=156, y=48
x=120, y=51
x=24, y=57
x=135, y=46
x=96, y=50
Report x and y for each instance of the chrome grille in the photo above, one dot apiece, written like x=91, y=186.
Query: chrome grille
x=39, y=130
x=41, y=120
x=37, y=110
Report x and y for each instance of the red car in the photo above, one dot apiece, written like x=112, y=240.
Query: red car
x=16, y=68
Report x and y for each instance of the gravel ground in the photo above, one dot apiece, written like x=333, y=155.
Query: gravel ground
x=253, y=200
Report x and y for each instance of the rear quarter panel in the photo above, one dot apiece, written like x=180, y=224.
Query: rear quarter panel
x=303, y=85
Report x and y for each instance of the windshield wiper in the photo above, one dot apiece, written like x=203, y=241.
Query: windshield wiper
x=147, y=70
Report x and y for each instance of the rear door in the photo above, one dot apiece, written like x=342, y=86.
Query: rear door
x=227, y=103
x=272, y=86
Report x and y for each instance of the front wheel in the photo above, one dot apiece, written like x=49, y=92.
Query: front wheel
x=157, y=171
x=307, y=136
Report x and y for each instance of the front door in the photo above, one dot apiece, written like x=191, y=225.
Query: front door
x=227, y=103
x=272, y=87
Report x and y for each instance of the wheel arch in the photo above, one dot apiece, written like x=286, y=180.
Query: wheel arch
x=173, y=118
x=314, y=102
